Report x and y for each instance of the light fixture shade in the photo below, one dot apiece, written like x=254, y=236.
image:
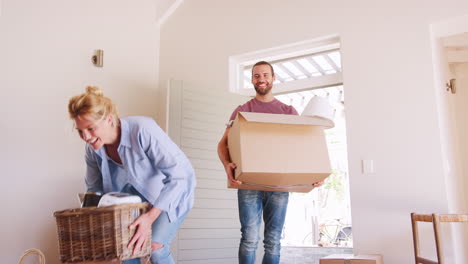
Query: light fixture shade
x=319, y=107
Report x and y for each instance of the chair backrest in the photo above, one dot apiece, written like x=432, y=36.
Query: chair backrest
x=435, y=219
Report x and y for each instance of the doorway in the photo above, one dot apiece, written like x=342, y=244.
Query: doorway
x=318, y=223
x=450, y=54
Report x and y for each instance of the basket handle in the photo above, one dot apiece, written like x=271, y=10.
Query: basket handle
x=33, y=251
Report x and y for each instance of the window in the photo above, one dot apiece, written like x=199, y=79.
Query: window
x=308, y=67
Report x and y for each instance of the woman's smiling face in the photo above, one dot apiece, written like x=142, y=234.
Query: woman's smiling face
x=95, y=132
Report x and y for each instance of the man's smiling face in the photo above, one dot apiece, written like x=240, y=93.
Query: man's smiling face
x=262, y=79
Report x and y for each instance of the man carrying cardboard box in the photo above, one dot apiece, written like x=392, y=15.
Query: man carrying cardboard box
x=253, y=202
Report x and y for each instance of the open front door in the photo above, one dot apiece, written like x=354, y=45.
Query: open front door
x=197, y=120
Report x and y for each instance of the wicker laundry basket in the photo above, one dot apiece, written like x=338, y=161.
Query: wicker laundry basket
x=99, y=233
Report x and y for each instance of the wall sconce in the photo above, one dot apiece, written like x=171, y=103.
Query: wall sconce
x=451, y=86
x=98, y=58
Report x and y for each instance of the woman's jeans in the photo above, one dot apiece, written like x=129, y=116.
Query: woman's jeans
x=163, y=231
x=251, y=205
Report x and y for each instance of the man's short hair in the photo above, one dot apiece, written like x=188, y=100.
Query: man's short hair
x=264, y=63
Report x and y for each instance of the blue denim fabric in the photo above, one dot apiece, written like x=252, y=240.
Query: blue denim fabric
x=163, y=231
x=252, y=204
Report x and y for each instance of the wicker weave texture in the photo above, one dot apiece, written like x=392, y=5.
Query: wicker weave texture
x=99, y=233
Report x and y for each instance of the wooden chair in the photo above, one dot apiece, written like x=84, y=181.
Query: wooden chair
x=435, y=219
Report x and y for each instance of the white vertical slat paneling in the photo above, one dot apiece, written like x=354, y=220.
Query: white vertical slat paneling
x=196, y=122
x=175, y=111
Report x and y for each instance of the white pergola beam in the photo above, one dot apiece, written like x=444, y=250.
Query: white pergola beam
x=324, y=81
x=287, y=71
x=301, y=68
x=332, y=63
x=316, y=65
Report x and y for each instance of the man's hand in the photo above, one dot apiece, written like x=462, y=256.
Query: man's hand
x=229, y=168
x=143, y=227
x=318, y=184
x=223, y=153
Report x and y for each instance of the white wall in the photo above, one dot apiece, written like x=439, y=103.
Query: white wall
x=389, y=85
x=45, y=51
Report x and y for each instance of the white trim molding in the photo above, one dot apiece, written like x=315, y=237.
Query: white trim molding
x=238, y=63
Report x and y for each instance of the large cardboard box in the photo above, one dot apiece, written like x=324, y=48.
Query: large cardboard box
x=275, y=152
x=352, y=259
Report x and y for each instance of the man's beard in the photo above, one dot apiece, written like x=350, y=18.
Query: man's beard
x=263, y=92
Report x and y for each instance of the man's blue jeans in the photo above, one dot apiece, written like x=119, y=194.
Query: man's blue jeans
x=251, y=205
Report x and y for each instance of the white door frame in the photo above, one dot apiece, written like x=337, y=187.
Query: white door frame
x=453, y=179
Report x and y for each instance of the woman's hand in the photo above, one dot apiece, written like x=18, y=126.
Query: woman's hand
x=143, y=227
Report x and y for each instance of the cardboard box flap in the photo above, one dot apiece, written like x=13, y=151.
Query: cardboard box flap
x=338, y=256
x=356, y=257
x=367, y=257
x=287, y=119
x=352, y=259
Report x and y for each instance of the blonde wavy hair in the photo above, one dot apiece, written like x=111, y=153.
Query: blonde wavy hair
x=92, y=103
